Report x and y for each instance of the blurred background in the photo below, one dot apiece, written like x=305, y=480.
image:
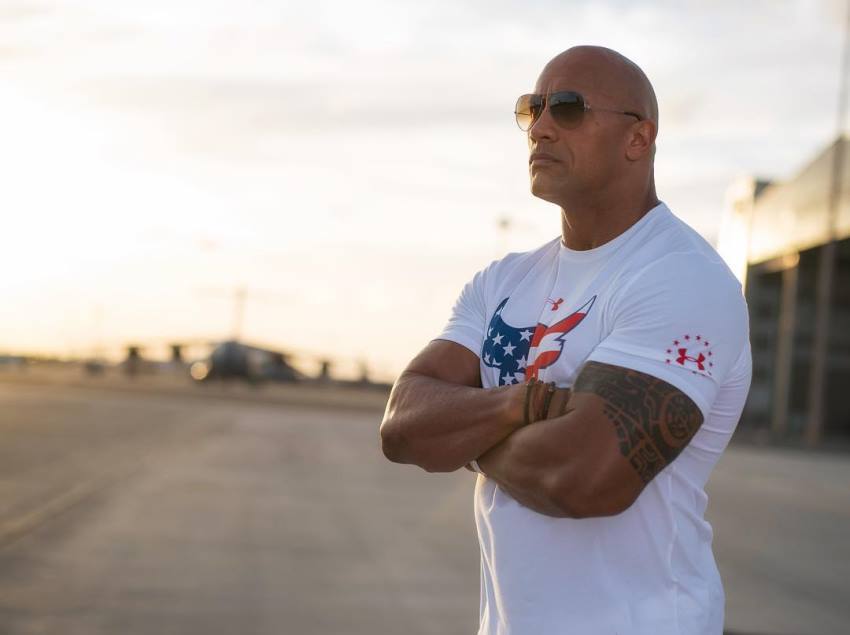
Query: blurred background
x=228, y=226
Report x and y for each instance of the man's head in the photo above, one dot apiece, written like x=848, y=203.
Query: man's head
x=606, y=148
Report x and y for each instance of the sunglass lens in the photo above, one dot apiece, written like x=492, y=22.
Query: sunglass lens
x=527, y=109
x=567, y=109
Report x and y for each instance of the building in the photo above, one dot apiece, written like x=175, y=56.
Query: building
x=789, y=243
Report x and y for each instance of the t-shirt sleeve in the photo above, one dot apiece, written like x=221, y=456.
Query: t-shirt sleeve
x=466, y=323
x=682, y=319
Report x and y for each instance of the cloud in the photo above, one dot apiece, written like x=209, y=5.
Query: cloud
x=19, y=11
x=277, y=124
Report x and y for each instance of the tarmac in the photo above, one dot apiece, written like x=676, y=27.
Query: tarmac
x=135, y=510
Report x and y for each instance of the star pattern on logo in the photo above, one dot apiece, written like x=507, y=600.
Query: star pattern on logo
x=506, y=348
x=691, y=352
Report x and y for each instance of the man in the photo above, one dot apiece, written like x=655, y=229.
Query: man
x=589, y=501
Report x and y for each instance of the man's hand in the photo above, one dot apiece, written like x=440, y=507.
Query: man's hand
x=545, y=401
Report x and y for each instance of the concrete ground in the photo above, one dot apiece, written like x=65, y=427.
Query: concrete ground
x=137, y=513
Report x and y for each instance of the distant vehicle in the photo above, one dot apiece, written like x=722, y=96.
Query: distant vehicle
x=94, y=367
x=16, y=361
x=235, y=360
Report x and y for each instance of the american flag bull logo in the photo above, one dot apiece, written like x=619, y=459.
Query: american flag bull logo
x=509, y=348
x=548, y=341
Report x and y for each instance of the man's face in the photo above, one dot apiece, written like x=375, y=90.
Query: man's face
x=566, y=164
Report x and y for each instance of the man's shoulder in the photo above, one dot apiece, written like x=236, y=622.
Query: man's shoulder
x=678, y=252
x=677, y=274
x=685, y=274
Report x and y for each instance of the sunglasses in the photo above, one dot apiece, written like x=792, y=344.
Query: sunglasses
x=566, y=107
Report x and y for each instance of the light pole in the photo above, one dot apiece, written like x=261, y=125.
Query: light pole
x=826, y=265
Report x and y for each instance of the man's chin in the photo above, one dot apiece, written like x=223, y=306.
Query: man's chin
x=542, y=191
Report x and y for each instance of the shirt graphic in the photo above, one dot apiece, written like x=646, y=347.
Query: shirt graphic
x=508, y=348
x=548, y=341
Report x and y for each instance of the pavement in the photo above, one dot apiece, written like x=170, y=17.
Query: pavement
x=133, y=511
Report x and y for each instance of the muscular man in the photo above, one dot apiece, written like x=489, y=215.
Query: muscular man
x=590, y=515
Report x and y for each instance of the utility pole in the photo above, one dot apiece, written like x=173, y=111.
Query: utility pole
x=818, y=378
x=238, y=312
x=505, y=225
x=240, y=294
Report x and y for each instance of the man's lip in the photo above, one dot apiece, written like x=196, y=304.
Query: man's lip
x=541, y=156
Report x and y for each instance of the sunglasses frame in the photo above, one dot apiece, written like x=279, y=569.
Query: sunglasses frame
x=544, y=102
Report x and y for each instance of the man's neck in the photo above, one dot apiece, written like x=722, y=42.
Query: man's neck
x=590, y=225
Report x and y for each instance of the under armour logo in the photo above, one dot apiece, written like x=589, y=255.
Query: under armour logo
x=701, y=359
x=555, y=303
x=684, y=357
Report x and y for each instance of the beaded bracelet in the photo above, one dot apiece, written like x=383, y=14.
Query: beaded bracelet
x=550, y=390
x=528, y=388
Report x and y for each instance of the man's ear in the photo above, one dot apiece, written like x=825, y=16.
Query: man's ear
x=641, y=141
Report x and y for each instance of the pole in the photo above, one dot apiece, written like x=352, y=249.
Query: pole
x=818, y=379
x=238, y=312
x=784, y=362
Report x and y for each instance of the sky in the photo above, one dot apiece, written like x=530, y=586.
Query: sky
x=346, y=163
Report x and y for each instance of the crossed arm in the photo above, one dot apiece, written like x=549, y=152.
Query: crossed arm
x=620, y=429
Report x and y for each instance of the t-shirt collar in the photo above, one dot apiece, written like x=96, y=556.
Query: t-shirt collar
x=586, y=255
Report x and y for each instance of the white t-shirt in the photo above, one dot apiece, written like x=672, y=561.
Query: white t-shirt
x=657, y=299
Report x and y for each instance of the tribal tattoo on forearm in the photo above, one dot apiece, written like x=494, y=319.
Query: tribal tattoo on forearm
x=654, y=421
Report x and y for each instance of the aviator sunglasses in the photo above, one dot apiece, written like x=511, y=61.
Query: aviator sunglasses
x=567, y=108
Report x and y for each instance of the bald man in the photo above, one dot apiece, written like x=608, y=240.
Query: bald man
x=592, y=383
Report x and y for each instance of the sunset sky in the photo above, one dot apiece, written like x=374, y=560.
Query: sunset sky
x=346, y=162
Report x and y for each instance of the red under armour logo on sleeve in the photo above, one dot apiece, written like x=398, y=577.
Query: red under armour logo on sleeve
x=691, y=351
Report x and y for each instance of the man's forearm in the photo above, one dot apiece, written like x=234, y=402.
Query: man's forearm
x=525, y=465
x=441, y=426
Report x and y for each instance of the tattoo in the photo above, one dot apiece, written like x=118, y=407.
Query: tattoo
x=654, y=421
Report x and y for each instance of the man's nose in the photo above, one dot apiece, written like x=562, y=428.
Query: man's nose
x=543, y=127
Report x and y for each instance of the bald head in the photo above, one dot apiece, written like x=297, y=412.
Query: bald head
x=609, y=76
x=612, y=73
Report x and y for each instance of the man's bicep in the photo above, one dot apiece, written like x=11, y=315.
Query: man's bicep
x=448, y=361
x=640, y=425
